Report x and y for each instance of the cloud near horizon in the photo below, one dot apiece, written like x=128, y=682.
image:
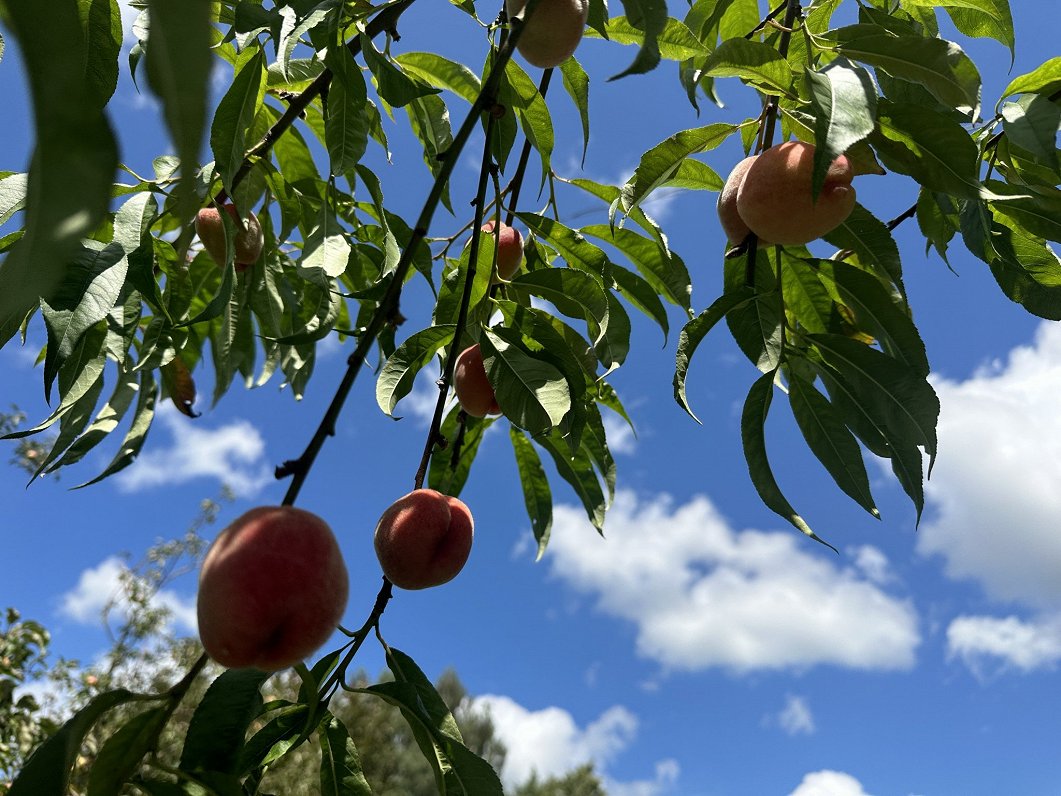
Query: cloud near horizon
x=703, y=594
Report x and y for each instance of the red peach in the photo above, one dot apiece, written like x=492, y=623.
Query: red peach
x=272, y=588
x=473, y=388
x=423, y=539
x=553, y=32
x=249, y=236
x=509, y=244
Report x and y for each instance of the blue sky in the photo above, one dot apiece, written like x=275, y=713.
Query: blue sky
x=702, y=647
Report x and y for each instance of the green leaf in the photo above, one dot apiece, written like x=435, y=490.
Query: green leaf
x=289, y=728
x=345, y=120
x=756, y=325
x=47, y=772
x=393, y=85
x=94, y=280
x=429, y=118
x=872, y=243
x=1032, y=123
x=102, y=21
x=640, y=293
x=326, y=249
x=537, y=496
x=121, y=754
x=573, y=247
x=675, y=41
x=137, y=433
x=1044, y=79
x=445, y=475
x=649, y=17
x=661, y=162
x=805, y=295
x=830, y=440
x=662, y=269
x=442, y=73
x=983, y=18
x=107, y=419
x=179, y=60
x=759, y=64
x=577, y=469
x=398, y=374
x=844, y=100
x=12, y=195
x=341, y=773
x=74, y=162
x=896, y=397
x=753, y=436
x=1039, y=213
x=576, y=83
x=532, y=393
x=933, y=149
x=235, y=114
x=940, y=66
x=1026, y=268
x=457, y=770
x=219, y=725
x=576, y=294
x=533, y=113
x=694, y=332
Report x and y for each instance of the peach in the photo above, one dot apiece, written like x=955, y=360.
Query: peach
x=732, y=224
x=774, y=198
x=553, y=32
x=423, y=539
x=249, y=236
x=473, y=388
x=509, y=244
x=272, y=588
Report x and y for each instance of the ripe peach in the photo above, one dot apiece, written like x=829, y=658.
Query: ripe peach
x=473, y=388
x=509, y=244
x=249, y=236
x=732, y=224
x=272, y=588
x=774, y=199
x=553, y=32
x=423, y=539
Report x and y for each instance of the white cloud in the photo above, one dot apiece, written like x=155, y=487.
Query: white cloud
x=873, y=563
x=994, y=491
x=829, y=783
x=1006, y=643
x=702, y=594
x=101, y=586
x=550, y=743
x=620, y=436
x=796, y=717
x=233, y=454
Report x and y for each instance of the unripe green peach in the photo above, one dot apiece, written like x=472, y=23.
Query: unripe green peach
x=424, y=539
x=732, y=224
x=774, y=199
x=272, y=589
x=473, y=388
x=509, y=244
x=553, y=32
x=249, y=236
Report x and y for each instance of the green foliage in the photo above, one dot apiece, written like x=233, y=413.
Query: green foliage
x=133, y=308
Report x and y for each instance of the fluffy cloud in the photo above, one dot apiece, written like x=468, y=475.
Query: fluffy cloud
x=550, y=743
x=994, y=498
x=101, y=586
x=829, y=783
x=702, y=594
x=1007, y=643
x=234, y=454
x=796, y=717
